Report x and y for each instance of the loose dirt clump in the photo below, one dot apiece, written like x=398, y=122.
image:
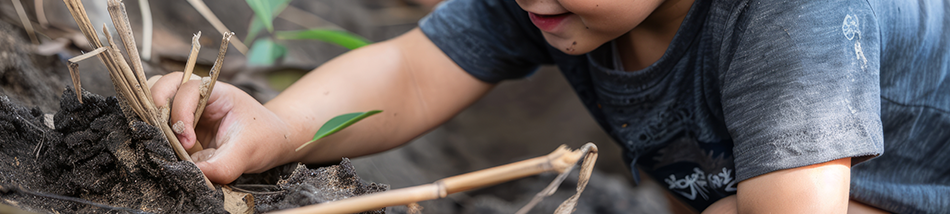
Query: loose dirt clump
x=93, y=160
x=88, y=158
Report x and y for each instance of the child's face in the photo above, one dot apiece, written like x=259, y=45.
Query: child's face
x=579, y=26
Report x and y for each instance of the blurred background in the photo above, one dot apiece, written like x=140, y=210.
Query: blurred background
x=518, y=120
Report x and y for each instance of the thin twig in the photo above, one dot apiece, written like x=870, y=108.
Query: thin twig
x=146, y=30
x=192, y=58
x=218, y=25
x=82, y=19
x=207, y=87
x=41, y=13
x=18, y=6
x=73, y=65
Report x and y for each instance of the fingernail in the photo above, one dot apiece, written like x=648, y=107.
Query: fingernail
x=202, y=155
x=178, y=127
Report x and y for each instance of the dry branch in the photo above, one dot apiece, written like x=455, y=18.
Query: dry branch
x=561, y=160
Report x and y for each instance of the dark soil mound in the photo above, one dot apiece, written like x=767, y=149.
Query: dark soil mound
x=94, y=161
x=297, y=185
x=88, y=158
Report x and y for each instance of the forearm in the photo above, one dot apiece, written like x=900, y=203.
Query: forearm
x=416, y=92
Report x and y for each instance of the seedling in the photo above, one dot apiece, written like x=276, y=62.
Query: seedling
x=265, y=51
x=338, y=123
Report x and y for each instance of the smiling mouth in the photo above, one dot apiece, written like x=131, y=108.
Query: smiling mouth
x=548, y=23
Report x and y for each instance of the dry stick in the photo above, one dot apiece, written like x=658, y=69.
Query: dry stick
x=559, y=160
x=207, y=85
x=79, y=14
x=40, y=13
x=192, y=58
x=18, y=6
x=73, y=65
x=591, y=156
x=120, y=19
x=154, y=117
x=218, y=25
x=146, y=29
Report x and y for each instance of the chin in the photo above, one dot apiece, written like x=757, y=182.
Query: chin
x=570, y=44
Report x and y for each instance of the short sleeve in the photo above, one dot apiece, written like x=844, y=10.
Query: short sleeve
x=801, y=84
x=492, y=40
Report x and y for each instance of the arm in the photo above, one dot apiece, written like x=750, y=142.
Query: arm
x=409, y=78
x=818, y=188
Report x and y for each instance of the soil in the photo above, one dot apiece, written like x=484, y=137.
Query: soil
x=88, y=158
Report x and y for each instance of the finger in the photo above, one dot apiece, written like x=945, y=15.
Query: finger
x=183, y=113
x=223, y=166
x=165, y=88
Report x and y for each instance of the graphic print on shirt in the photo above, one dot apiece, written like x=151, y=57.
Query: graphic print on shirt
x=700, y=174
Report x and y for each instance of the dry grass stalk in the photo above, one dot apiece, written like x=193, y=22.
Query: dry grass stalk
x=561, y=160
x=18, y=6
x=192, y=58
x=121, y=21
x=203, y=9
x=208, y=86
x=130, y=84
x=73, y=65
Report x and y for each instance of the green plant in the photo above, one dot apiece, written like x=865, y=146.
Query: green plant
x=338, y=123
x=265, y=51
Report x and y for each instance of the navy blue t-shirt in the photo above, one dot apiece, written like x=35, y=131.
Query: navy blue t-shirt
x=749, y=87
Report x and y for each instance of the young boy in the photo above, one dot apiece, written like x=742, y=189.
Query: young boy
x=734, y=105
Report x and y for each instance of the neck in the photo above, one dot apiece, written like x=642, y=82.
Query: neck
x=647, y=42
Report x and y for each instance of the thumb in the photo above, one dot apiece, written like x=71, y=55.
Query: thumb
x=219, y=166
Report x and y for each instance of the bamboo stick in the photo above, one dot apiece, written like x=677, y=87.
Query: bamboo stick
x=203, y=9
x=561, y=160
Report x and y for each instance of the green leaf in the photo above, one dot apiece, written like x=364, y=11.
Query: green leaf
x=266, y=10
x=341, y=38
x=338, y=123
x=264, y=52
x=253, y=29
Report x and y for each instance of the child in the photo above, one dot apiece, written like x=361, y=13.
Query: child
x=734, y=105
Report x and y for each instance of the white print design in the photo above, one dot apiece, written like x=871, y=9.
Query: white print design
x=698, y=182
x=851, y=27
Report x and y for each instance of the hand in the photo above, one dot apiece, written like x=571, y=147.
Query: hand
x=238, y=133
